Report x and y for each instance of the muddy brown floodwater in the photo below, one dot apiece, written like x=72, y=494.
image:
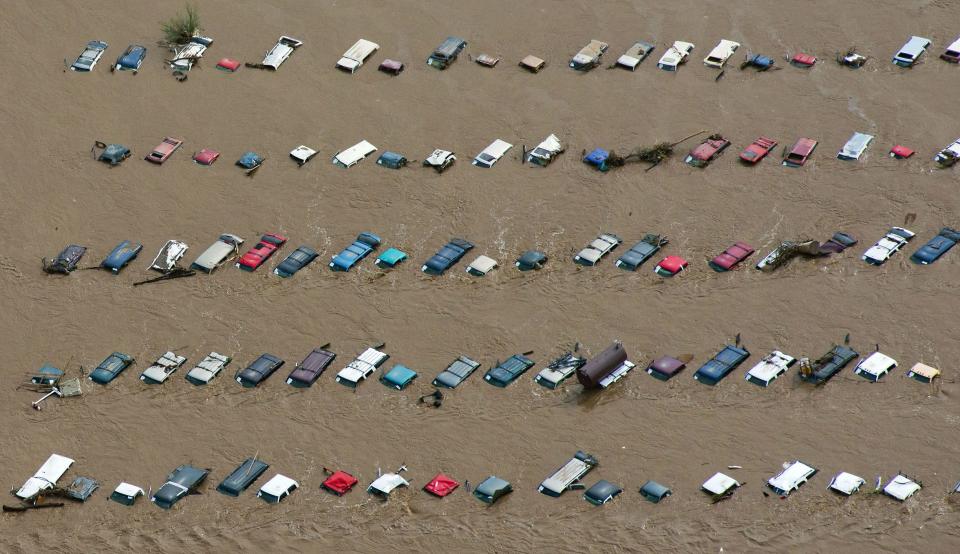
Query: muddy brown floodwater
x=678, y=433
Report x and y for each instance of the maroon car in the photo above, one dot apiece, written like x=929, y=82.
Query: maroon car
x=260, y=253
x=758, y=150
x=309, y=370
x=731, y=256
x=666, y=367
x=707, y=151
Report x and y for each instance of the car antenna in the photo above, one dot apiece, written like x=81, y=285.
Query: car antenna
x=326, y=345
x=527, y=353
x=846, y=340
x=738, y=339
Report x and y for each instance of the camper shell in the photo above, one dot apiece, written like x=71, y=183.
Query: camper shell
x=718, y=367
x=597, y=249
x=654, y=492
x=46, y=477
x=936, y=247
x=605, y=368
x=828, y=365
x=601, y=492
x=855, y=147
x=533, y=64
x=635, y=55
x=509, y=370
x=589, y=56
x=160, y=370
x=302, y=154
x=546, y=151
x=258, y=371
x=339, y=482
x=559, y=370
x=447, y=256
x=952, y=53
x=487, y=60
x=277, y=488
x=568, y=474
x=492, y=154
x=392, y=160
x=361, y=367
x=390, y=258
x=441, y=485
x=447, y=52
x=910, y=52
x=182, y=481
x=356, y=55
x=720, y=484
x=670, y=266
x=772, y=365
x=481, y=266
x=384, y=485
x=353, y=155
x=297, y=260
x=923, y=373
x=790, y=479
x=531, y=260
x=226, y=247
x=241, y=478
x=845, y=483
x=307, y=371
x=875, y=366
x=393, y=67
x=355, y=253
x=121, y=255
x=642, y=251
x=456, y=373
x=721, y=53
x=280, y=52
x=169, y=256
x=208, y=368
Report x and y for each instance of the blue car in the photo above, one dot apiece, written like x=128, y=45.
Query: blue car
x=131, y=59
x=390, y=258
x=508, y=371
x=936, y=247
x=353, y=254
x=447, y=256
x=109, y=368
x=641, y=252
x=721, y=365
x=598, y=159
x=297, y=260
x=121, y=255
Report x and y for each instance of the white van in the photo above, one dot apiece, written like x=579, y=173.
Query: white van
x=492, y=153
x=280, y=52
x=910, y=52
x=855, y=147
x=721, y=53
x=791, y=478
x=362, y=367
x=357, y=54
x=570, y=473
x=352, y=156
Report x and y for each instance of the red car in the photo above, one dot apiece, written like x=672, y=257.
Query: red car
x=758, y=150
x=260, y=253
x=164, y=150
x=800, y=152
x=707, y=151
x=731, y=256
x=803, y=60
x=670, y=266
x=206, y=156
x=901, y=152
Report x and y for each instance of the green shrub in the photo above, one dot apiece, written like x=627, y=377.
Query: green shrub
x=180, y=28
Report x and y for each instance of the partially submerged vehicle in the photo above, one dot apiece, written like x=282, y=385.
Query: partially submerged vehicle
x=803, y=61
x=800, y=152
x=546, y=151
x=226, y=247
x=642, y=251
x=936, y=247
x=441, y=485
x=559, y=370
x=787, y=250
x=826, y=366
x=182, y=481
x=121, y=255
x=356, y=55
x=384, y=485
x=721, y=53
x=758, y=150
x=791, y=478
x=606, y=368
x=589, y=56
x=597, y=158
x=228, y=64
x=126, y=494
x=952, y=52
x=634, y=55
x=46, y=477
x=241, y=478
x=895, y=239
x=447, y=52
x=875, y=366
x=302, y=154
x=731, y=257
x=161, y=370
x=131, y=59
x=492, y=154
x=280, y=52
x=949, y=155
x=277, y=488
x=206, y=156
x=353, y=155
x=533, y=64
x=447, y=256
x=670, y=266
x=361, y=367
x=391, y=160
x=923, y=373
x=508, y=371
x=901, y=487
x=440, y=160
x=261, y=252
x=654, y=492
x=597, y=249
x=169, y=256
x=113, y=154
x=758, y=61
x=355, y=252
x=390, y=257
x=250, y=161
x=770, y=367
x=675, y=56
x=185, y=56
x=855, y=147
x=487, y=60
x=910, y=52
x=399, y=377
x=208, y=368
x=308, y=370
x=481, y=265
x=726, y=360
x=838, y=243
x=91, y=54
x=81, y=488
x=258, y=371
x=339, y=482
x=720, y=485
x=569, y=473
x=665, y=367
x=297, y=260
x=393, y=67
x=845, y=483
x=456, y=373
x=492, y=489
x=707, y=151
x=112, y=366
x=601, y=492
x=531, y=260
x=66, y=261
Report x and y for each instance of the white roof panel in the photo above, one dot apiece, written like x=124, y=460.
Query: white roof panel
x=846, y=483
x=720, y=484
x=45, y=477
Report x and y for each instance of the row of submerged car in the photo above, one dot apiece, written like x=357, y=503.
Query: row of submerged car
x=587, y=58
x=186, y=479
x=599, y=372
x=542, y=155
x=227, y=247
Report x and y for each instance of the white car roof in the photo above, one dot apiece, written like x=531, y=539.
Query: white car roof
x=723, y=49
x=954, y=46
x=45, y=477
x=901, y=487
x=209, y=367
x=791, y=477
x=846, y=483
x=354, y=154
x=876, y=364
x=482, y=264
x=720, y=483
x=278, y=484
x=855, y=147
x=551, y=144
x=386, y=483
x=364, y=364
x=281, y=51
x=771, y=366
x=303, y=152
x=574, y=469
x=675, y=53
x=359, y=52
x=127, y=489
x=491, y=154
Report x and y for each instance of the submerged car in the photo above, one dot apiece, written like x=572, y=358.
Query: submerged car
x=208, y=368
x=206, y=156
x=241, y=478
x=790, y=479
x=707, y=151
x=277, y=488
x=131, y=59
x=354, y=57
x=307, y=372
x=569, y=473
x=440, y=160
x=508, y=371
x=758, y=150
x=226, y=247
x=113, y=154
x=559, y=370
x=910, y=53
x=492, y=154
x=446, y=53
x=110, y=368
x=261, y=252
x=297, y=260
x=160, y=370
x=875, y=366
x=121, y=255
x=492, y=489
x=181, y=482
x=392, y=160
x=800, y=152
x=601, y=492
x=355, y=253
x=589, y=56
x=390, y=257
x=855, y=147
x=772, y=365
x=952, y=52
x=280, y=52
x=447, y=256
x=456, y=373
x=731, y=257
x=895, y=239
x=531, y=260
x=665, y=368
x=88, y=59
x=721, y=53
x=675, y=56
x=597, y=249
x=361, y=367
x=353, y=155
x=936, y=247
x=642, y=251
x=949, y=155
x=826, y=366
x=635, y=55
x=258, y=371
x=718, y=367
x=399, y=377
x=670, y=266
x=164, y=150
x=546, y=151
x=169, y=256
x=654, y=492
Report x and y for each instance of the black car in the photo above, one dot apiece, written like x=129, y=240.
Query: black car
x=241, y=478
x=66, y=261
x=297, y=260
x=447, y=256
x=491, y=489
x=183, y=481
x=649, y=245
x=456, y=373
x=601, y=492
x=259, y=370
x=828, y=365
x=531, y=259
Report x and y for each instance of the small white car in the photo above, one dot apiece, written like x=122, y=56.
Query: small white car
x=362, y=367
x=772, y=365
x=163, y=368
x=208, y=368
x=855, y=147
x=720, y=484
x=721, y=53
x=875, y=366
x=302, y=154
x=386, y=484
x=277, y=488
x=492, y=154
x=353, y=58
x=901, y=487
x=600, y=247
x=846, y=483
x=481, y=266
x=895, y=239
x=546, y=151
x=790, y=479
x=440, y=160
x=353, y=155
x=675, y=56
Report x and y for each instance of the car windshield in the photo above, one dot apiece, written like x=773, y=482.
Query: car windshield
x=271, y=498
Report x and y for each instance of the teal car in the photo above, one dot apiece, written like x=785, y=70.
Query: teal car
x=398, y=377
x=110, y=368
